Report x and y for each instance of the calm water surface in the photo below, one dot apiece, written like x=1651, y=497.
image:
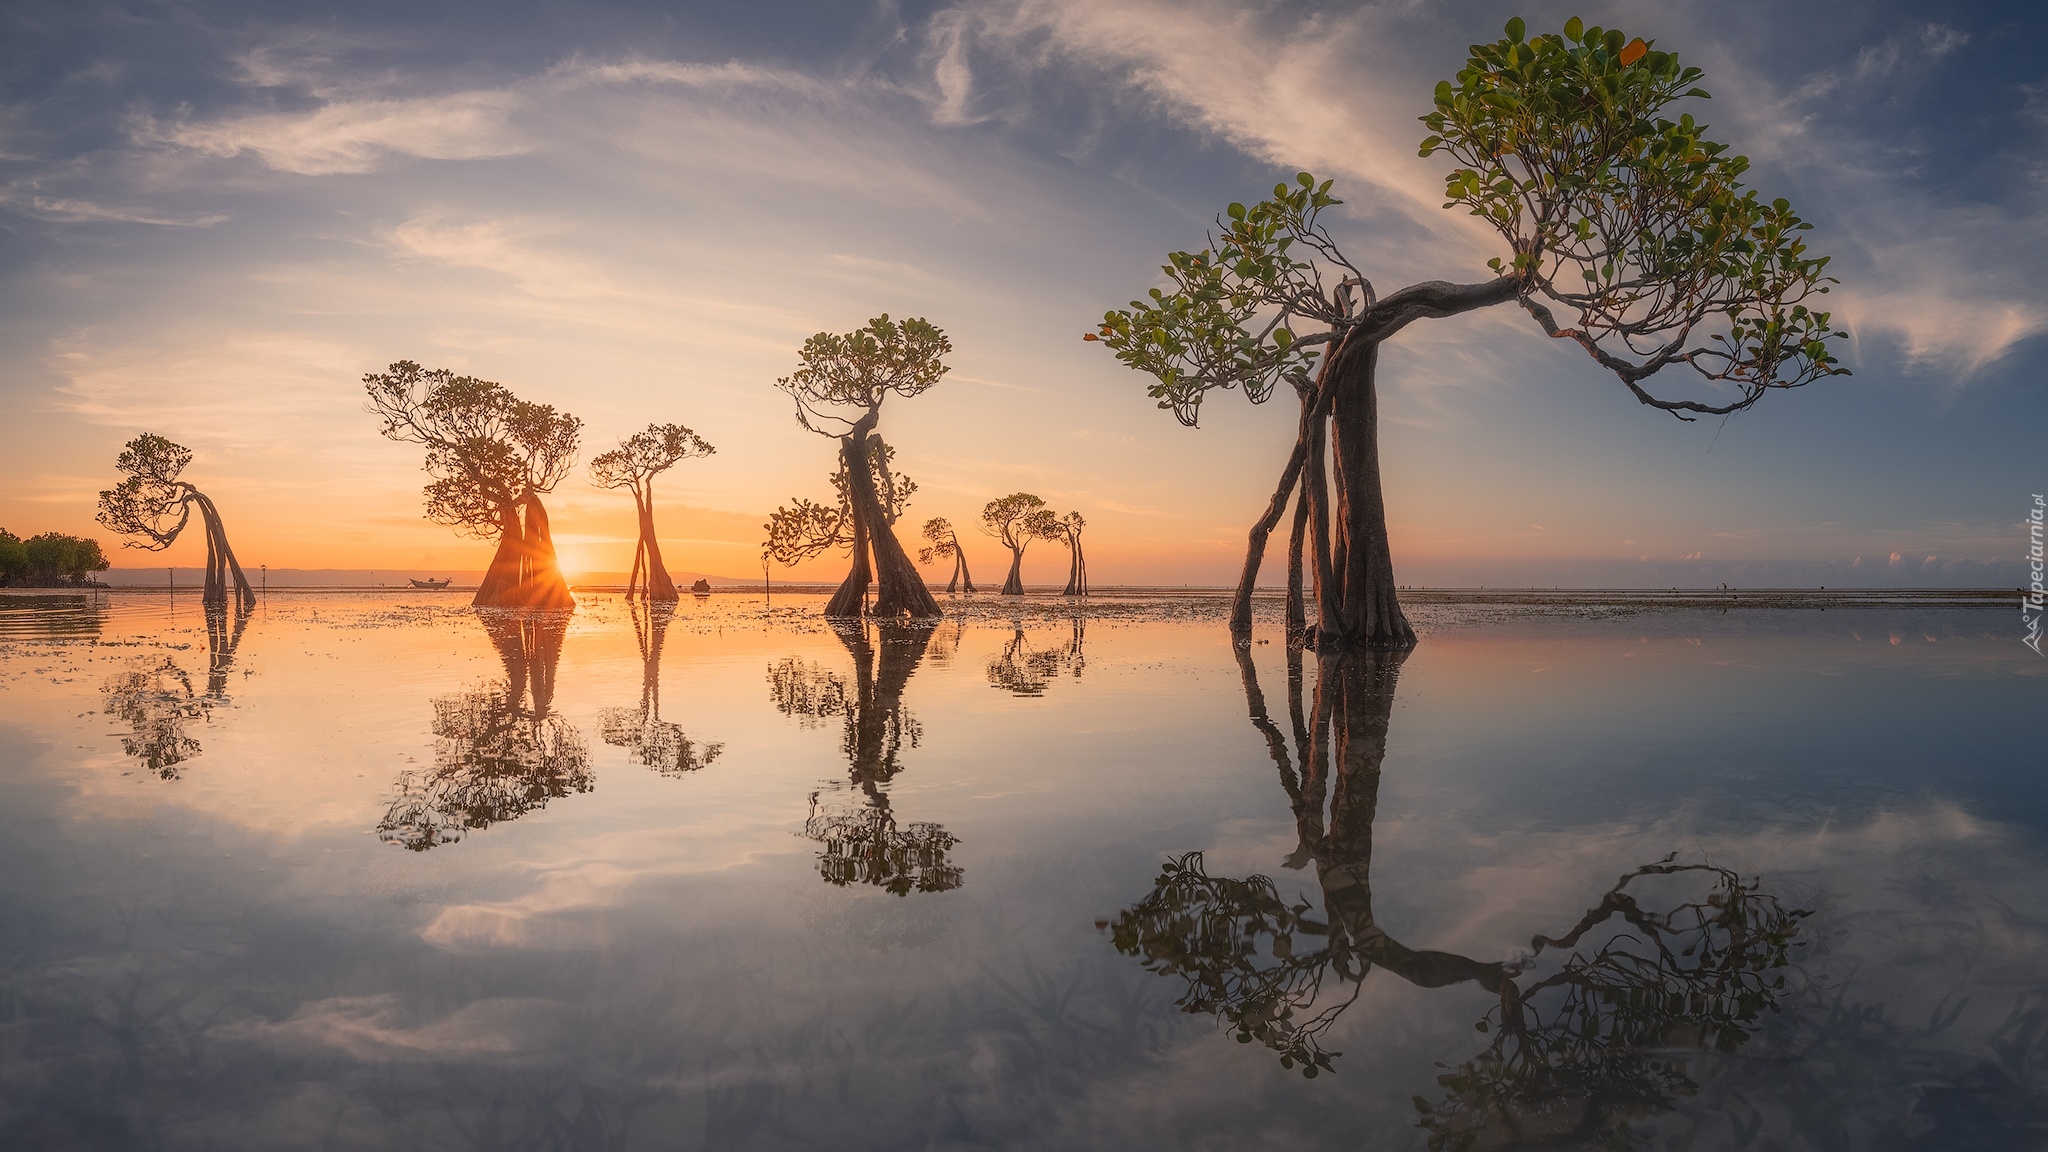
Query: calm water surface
x=378, y=871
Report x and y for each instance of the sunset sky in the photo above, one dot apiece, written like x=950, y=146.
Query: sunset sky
x=215, y=217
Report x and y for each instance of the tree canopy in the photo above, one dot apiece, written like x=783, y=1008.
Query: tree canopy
x=647, y=454
x=487, y=449
x=150, y=505
x=1631, y=221
x=843, y=377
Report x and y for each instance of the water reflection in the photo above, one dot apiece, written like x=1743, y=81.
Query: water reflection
x=155, y=697
x=862, y=841
x=74, y=616
x=1673, y=958
x=648, y=739
x=499, y=751
x=1024, y=670
x=156, y=701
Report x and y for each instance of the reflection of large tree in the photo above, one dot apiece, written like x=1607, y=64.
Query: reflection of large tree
x=862, y=841
x=1674, y=957
x=1025, y=670
x=499, y=752
x=156, y=698
x=648, y=739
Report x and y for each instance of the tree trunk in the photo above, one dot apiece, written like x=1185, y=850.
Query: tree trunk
x=220, y=559
x=541, y=584
x=1014, y=586
x=899, y=589
x=1297, y=617
x=1370, y=608
x=966, y=578
x=1262, y=529
x=660, y=588
x=852, y=597
x=501, y=579
x=953, y=585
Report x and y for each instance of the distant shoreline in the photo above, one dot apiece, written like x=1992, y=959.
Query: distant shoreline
x=1580, y=597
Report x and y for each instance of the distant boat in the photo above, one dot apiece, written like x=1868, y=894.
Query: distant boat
x=441, y=583
x=701, y=588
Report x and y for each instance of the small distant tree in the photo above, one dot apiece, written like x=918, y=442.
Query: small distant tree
x=492, y=456
x=634, y=464
x=1067, y=530
x=1017, y=520
x=839, y=389
x=945, y=545
x=152, y=504
x=1629, y=221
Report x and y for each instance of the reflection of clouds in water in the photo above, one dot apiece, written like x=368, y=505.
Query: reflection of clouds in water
x=879, y=924
x=380, y=1028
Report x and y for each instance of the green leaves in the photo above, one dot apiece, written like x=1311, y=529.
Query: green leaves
x=1628, y=215
x=1222, y=321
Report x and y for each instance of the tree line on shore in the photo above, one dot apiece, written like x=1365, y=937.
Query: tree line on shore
x=1627, y=233
x=49, y=560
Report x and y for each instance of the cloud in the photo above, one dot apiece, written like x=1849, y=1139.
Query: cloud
x=353, y=136
x=376, y=1028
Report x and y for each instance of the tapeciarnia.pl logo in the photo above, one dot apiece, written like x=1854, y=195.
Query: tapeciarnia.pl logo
x=2035, y=600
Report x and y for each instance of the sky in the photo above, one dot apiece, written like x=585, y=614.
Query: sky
x=215, y=218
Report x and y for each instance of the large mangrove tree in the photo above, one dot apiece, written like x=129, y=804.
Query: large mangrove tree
x=1624, y=230
x=492, y=456
x=839, y=389
x=153, y=503
x=634, y=464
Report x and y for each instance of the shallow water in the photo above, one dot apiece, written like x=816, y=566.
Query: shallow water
x=371, y=870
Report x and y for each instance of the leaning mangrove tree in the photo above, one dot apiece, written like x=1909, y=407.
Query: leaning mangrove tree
x=492, y=456
x=634, y=464
x=942, y=543
x=1067, y=530
x=1624, y=230
x=153, y=503
x=839, y=389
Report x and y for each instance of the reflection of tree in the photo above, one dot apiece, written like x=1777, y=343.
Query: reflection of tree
x=156, y=699
x=863, y=843
x=650, y=740
x=496, y=757
x=1673, y=957
x=1026, y=671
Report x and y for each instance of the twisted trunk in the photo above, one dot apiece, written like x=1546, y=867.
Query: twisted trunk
x=1369, y=611
x=523, y=572
x=502, y=577
x=1014, y=586
x=660, y=588
x=899, y=589
x=221, y=564
x=1077, y=570
x=966, y=578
